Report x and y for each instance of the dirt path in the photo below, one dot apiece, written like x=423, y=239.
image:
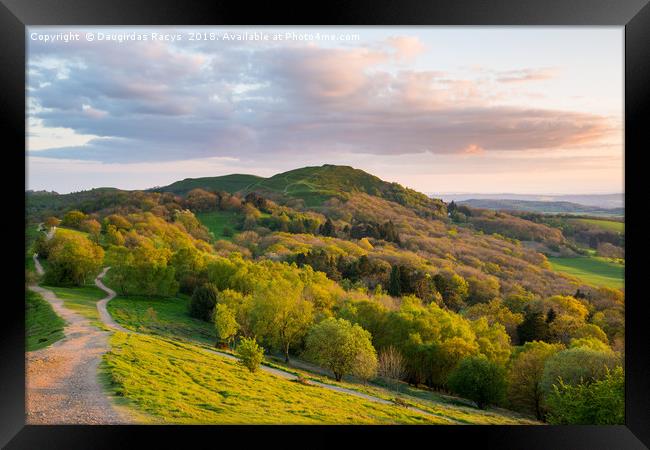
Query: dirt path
x=61, y=380
x=109, y=322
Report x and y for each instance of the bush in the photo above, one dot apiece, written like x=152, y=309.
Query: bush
x=203, y=301
x=250, y=354
x=479, y=380
x=598, y=403
x=577, y=365
x=343, y=348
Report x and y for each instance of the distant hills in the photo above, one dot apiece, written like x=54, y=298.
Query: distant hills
x=546, y=207
x=313, y=185
x=604, y=201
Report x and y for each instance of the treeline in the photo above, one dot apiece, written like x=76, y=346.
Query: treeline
x=582, y=232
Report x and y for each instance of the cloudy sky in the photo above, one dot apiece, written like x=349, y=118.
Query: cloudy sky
x=453, y=109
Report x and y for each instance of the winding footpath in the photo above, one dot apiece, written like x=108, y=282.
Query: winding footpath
x=62, y=379
x=62, y=386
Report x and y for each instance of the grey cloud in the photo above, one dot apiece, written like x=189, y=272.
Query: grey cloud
x=167, y=104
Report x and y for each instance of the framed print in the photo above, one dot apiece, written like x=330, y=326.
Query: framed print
x=379, y=221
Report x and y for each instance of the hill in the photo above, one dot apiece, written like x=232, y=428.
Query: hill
x=229, y=183
x=606, y=201
x=546, y=207
x=313, y=186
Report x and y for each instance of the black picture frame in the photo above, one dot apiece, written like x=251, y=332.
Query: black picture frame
x=634, y=15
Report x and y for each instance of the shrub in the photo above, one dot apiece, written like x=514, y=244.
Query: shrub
x=203, y=301
x=250, y=354
x=479, y=380
x=342, y=347
x=598, y=403
x=225, y=323
x=577, y=365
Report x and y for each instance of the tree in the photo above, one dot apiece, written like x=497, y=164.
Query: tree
x=453, y=288
x=281, y=314
x=72, y=259
x=203, y=301
x=92, y=227
x=479, y=380
x=391, y=365
x=201, y=200
x=525, y=377
x=577, y=365
x=533, y=328
x=341, y=347
x=394, y=285
x=52, y=222
x=328, y=228
x=143, y=268
x=73, y=219
x=250, y=354
x=589, y=403
x=225, y=323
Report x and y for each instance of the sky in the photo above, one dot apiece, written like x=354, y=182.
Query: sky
x=530, y=110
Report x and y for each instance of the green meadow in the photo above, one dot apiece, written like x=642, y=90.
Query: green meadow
x=608, y=225
x=593, y=270
x=43, y=326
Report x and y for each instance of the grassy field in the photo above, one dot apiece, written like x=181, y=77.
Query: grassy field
x=183, y=383
x=160, y=316
x=168, y=318
x=608, y=225
x=216, y=221
x=43, y=326
x=593, y=270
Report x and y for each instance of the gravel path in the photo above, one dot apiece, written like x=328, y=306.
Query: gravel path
x=61, y=380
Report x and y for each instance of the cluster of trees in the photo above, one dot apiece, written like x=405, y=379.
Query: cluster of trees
x=73, y=259
x=581, y=232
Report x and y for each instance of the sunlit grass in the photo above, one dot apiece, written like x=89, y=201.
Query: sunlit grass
x=183, y=383
x=43, y=326
x=593, y=270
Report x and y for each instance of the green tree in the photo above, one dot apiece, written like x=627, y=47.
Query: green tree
x=395, y=285
x=525, y=377
x=597, y=403
x=577, y=365
x=72, y=259
x=453, y=288
x=203, y=301
x=250, y=354
x=73, y=219
x=533, y=328
x=480, y=380
x=281, y=314
x=142, y=269
x=225, y=323
x=342, y=347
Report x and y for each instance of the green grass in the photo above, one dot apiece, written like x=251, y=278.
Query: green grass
x=183, y=383
x=43, y=326
x=216, y=221
x=608, y=225
x=82, y=300
x=170, y=318
x=453, y=408
x=592, y=270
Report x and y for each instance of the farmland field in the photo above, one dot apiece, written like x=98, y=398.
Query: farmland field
x=593, y=270
x=609, y=225
x=216, y=221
